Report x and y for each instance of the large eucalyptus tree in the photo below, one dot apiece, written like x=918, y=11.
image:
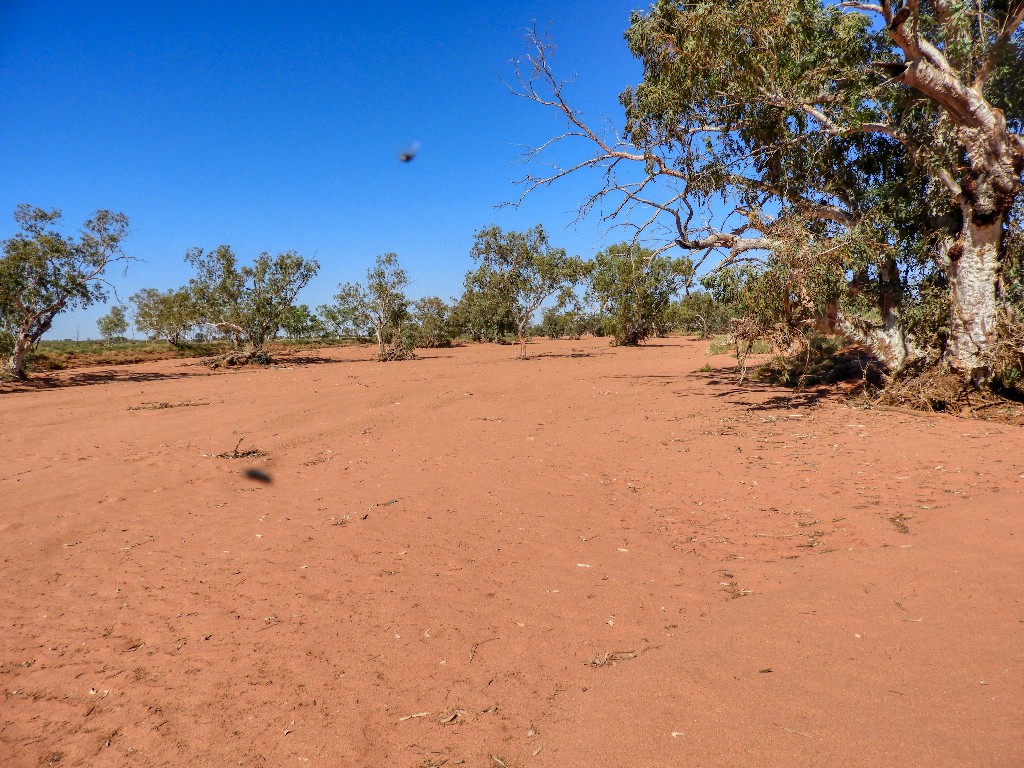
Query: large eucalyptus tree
x=883, y=139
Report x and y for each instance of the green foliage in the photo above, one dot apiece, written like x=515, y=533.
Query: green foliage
x=350, y=314
x=522, y=270
x=877, y=149
x=386, y=282
x=785, y=86
x=247, y=303
x=481, y=313
x=634, y=288
x=698, y=312
x=44, y=273
x=740, y=66
x=113, y=325
x=380, y=308
x=299, y=322
x=558, y=322
x=167, y=315
x=1013, y=270
x=431, y=321
x=782, y=298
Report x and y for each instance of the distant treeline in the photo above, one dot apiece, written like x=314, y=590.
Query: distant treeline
x=521, y=285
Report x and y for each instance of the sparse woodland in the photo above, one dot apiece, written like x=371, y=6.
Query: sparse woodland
x=786, y=170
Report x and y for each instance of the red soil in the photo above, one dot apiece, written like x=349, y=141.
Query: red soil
x=595, y=557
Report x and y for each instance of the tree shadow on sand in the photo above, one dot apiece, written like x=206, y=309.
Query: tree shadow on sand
x=724, y=383
x=73, y=378
x=127, y=374
x=782, y=397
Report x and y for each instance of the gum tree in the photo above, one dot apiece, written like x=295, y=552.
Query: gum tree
x=479, y=313
x=524, y=270
x=380, y=307
x=249, y=303
x=883, y=138
x=432, y=318
x=113, y=325
x=634, y=288
x=167, y=315
x=44, y=273
x=386, y=282
x=350, y=314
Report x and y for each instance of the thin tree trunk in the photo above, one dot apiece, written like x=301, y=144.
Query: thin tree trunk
x=522, y=342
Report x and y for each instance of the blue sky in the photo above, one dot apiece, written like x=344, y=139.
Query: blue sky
x=273, y=126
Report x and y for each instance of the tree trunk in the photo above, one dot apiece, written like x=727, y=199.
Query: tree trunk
x=522, y=341
x=15, y=368
x=887, y=340
x=974, y=272
x=380, y=340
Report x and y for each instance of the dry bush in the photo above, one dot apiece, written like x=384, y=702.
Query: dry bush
x=235, y=358
x=1006, y=357
x=396, y=352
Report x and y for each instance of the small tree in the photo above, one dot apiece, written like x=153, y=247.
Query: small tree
x=113, y=325
x=248, y=304
x=480, y=313
x=43, y=273
x=431, y=317
x=219, y=291
x=386, y=284
x=350, y=314
x=299, y=322
x=380, y=307
x=699, y=313
x=634, y=288
x=563, y=322
x=524, y=270
x=167, y=315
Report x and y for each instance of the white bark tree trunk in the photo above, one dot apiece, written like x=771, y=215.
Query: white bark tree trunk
x=888, y=340
x=973, y=274
x=16, y=362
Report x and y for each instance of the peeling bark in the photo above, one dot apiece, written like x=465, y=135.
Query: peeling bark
x=973, y=272
x=985, y=189
x=888, y=340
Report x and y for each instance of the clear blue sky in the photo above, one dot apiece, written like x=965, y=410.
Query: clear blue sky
x=276, y=126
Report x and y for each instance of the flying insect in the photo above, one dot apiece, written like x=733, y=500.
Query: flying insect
x=407, y=155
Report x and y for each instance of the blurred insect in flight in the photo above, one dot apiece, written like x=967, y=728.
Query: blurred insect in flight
x=407, y=155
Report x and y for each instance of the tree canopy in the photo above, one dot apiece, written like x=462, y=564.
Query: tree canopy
x=881, y=139
x=524, y=270
x=114, y=324
x=44, y=273
x=248, y=303
x=167, y=315
x=634, y=288
x=380, y=307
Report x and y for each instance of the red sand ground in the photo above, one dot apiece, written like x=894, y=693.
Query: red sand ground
x=596, y=557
